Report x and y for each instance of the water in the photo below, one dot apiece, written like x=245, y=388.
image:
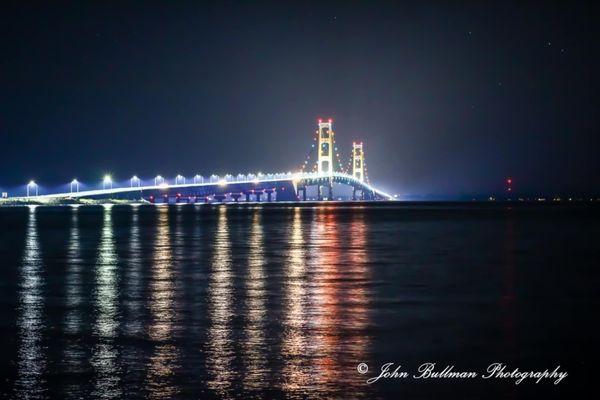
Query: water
x=285, y=302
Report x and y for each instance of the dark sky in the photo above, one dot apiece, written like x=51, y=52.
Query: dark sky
x=448, y=97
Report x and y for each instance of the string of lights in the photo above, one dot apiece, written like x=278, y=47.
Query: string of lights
x=338, y=158
x=313, y=147
x=366, y=172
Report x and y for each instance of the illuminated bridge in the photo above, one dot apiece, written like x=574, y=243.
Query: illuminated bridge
x=326, y=169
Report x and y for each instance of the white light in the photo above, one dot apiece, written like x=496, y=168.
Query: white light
x=222, y=182
x=164, y=185
x=32, y=185
x=74, y=182
x=107, y=179
x=256, y=181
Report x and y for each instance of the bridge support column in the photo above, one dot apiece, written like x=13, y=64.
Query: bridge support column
x=258, y=194
x=247, y=196
x=236, y=196
x=330, y=192
x=303, y=190
x=319, y=193
x=269, y=193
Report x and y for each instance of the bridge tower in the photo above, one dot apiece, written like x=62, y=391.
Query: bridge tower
x=358, y=161
x=358, y=167
x=325, y=158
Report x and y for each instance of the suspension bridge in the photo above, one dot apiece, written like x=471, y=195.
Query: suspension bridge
x=321, y=169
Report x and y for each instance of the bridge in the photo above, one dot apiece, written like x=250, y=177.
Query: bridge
x=327, y=169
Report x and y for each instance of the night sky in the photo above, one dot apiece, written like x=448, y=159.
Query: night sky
x=449, y=98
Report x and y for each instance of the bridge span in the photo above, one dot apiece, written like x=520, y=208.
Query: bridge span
x=269, y=187
x=323, y=157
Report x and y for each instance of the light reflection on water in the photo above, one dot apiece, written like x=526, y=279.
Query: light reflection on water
x=254, y=340
x=164, y=358
x=104, y=354
x=133, y=279
x=220, y=352
x=295, y=341
x=74, y=351
x=284, y=302
x=30, y=324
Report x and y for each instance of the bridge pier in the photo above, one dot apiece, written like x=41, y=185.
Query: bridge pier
x=303, y=190
x=247, y=196
x=258, y=193
x=220, y=197
x=356, y=189
x=269, y=193
x=330, y=192
x=236, y=196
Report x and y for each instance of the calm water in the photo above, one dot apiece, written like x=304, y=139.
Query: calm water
x=284, y=302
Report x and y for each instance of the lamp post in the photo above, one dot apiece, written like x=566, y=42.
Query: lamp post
x=107, y=181
x=32, y=186
x=198, y=178
x=179, y=179
x=158, y=180
x=75, y=184
x=135, y=181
